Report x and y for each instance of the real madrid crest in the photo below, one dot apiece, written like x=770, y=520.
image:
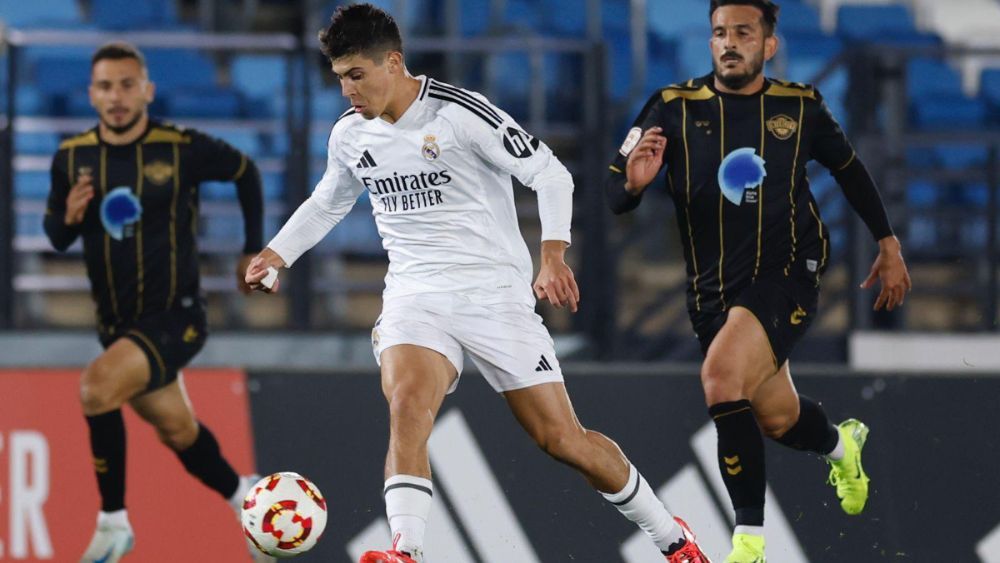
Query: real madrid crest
x=158, y=172
x=430, y=150
x=782, y=126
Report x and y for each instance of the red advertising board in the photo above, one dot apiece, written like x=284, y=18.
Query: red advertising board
x=48, y=493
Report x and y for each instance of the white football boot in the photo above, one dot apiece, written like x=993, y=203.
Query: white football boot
x=112, y=539
x=236, y=501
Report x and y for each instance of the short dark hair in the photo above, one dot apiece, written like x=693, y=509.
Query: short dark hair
x=767, y=7
x=360, y=29
x=118, y=50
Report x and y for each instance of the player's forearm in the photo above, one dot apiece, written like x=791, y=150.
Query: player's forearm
x=60, y=234
x=620, y=198
x=251, y=197
x=304, y=229
x=555, y=211
x=862, y=194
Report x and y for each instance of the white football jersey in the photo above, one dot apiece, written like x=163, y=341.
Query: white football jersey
x=439, y=179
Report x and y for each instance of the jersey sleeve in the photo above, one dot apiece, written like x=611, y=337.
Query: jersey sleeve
x=60, y=234
x=620, y=200
x=331, y=200
x=217, y=160
x=497, y=138
x=832, y=149
x=830, y=146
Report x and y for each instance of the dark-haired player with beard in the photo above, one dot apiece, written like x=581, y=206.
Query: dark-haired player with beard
x=436, y=162
x=129, y=188
x=736, y=145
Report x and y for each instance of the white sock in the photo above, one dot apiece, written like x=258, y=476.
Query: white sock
x=751, y=530
x=116, y=519
x=407, y=503
x=236, y=501
x=638, y=503
x=838, y=451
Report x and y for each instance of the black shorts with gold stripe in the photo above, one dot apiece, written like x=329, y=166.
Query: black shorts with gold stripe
x=784, y=305
x=169, y=339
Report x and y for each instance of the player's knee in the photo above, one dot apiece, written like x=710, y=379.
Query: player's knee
x=563, y=444
x=775, y=426
x=721, y=383
x=99, y=392
x=408, y=405
x=178, y=435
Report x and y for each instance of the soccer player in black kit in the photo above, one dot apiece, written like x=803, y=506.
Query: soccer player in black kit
x=756, y=248
x=141, y=177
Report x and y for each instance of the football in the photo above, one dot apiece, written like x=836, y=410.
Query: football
x=284, y=515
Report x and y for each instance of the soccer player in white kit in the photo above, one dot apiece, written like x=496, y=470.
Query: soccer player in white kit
x=437, y=162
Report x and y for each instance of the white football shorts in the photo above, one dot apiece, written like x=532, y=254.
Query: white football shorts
x=506, y=341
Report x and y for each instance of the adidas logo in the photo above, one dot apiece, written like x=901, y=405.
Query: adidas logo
x=543, y=365
x=366, y=161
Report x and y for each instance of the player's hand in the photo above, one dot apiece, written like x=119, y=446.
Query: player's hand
x=79, y=197
x=555, y=278
x=242, y=267
x=645, y=160
x=256, y=270
x=891, y=270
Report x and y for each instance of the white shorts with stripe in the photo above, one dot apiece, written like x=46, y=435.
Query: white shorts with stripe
x=506, y=341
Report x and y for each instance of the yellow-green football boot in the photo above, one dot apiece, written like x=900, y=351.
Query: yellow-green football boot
x=747, y=548
x=847, y=475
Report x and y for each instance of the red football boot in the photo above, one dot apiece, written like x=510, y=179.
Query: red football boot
x=690, y=553
x=390, y=556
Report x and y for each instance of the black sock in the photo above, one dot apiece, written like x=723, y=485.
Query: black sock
x=204, y=460
x=813, y=431
x=107, y=446
x=675, y=547
x=741, y=459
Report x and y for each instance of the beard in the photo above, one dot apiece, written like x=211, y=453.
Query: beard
x=120, y=129
x=738, y=81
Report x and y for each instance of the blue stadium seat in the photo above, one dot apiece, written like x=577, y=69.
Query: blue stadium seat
x=695, y=58
x=862, y=22
x=615, y=16
x=818, y=46
x=174, y=69
x=36, y=143
x=523, y=15
x=947, y=112
x=922, y=157
x=661, y=67
x=990, y=91
x=566, y=18
x=51, y=13
x=796, y=17
x=678, y=17
x=274, y=185
x=61, y=75
x=328, y=104
x=931, y=77
x=921, y=194
x=207, y=102
x=618, y=68
x=129, y=14
x=958, y=157
x=259, y=75
x=474, y=17
x=318, y=139
x=30, y=101
x=513, y=84
x=31, y=185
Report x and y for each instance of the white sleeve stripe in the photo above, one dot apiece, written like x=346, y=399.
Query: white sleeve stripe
x=459, y=93
x=449, y=98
